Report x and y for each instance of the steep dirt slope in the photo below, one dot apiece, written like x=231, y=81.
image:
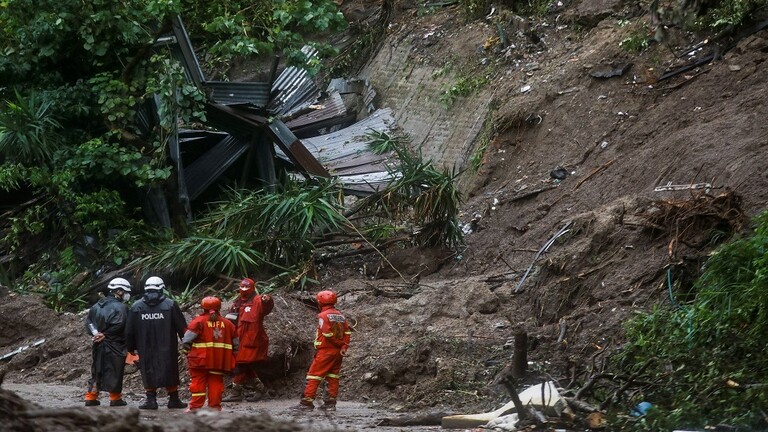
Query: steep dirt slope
x=617, y=139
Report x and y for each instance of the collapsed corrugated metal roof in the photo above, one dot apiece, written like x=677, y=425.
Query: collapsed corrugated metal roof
x=347, y=153
x=293, y=89
x=313, y=130
x=206, y=169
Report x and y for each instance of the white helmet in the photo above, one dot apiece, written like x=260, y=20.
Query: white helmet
x=119, y=284
x=154, y=283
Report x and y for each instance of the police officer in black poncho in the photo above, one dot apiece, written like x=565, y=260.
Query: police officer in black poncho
x=155, y=324
x=105, y=323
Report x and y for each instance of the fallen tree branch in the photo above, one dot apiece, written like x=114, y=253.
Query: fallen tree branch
x=528, y=194
x=361, y=251
x=509, y=384
x=591, y=383
x=597, y=170
x=428, y=419
x=543, y=249
x=578, y=405
x=626, y=385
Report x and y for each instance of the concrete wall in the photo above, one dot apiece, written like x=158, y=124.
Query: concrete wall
x=445, y=135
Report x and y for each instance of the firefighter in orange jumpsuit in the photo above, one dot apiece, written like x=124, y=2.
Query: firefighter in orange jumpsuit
x=331, y=342
x=210, y=342
x=249, y=309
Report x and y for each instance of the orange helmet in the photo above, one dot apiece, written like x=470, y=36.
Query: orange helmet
x=325, y=298
x=247, y=286
x=211, y=303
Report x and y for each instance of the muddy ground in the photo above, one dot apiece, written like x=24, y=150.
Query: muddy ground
x=436, y=339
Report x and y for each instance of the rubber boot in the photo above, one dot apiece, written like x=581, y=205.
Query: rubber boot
x=92, y=398
x=150, y=402
x=174, y=402
x=304, y=405
x=117, y=402
x=329, y=405
x=235, y=395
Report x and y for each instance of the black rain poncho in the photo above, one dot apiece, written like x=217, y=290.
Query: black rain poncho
x=108, y=315
x=155, y=323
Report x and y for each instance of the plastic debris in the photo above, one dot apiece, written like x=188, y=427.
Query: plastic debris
x=641, y=409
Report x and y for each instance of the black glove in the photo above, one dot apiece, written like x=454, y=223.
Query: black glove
x=185, y=348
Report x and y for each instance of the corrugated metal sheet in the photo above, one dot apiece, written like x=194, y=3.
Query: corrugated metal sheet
x=206, y=169
x=185, y=53
x=194, y=136
x=351, y=141
x=293, y=88
x=358, y=86
x=323, y=109
x=233, y=93
x=243, y=123
x=346, y=153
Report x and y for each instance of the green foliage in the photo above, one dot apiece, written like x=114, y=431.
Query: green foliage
x=474, y=9
x=296, y=277
x=477, y=157
x=636, y=41
x=421, y=194
x=533, y=8
x=197, y=255
x=29, y=131
x=12, y=176
x=188, y=296
x=99, y=33
x=256, y=230
x=116, y=98
x=61, y=289
x=464, y=86
x=708, y=356
x=282, y=225
x=382, y=143
x=732, y=12
x=178, y=99
x=265, y=27
x=102, y=160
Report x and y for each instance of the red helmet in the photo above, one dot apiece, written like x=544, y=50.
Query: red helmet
x=211, y=303
x=247, y=286
x=325, y=298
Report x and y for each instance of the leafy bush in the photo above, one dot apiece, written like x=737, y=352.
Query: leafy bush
x=464, y=86
x=708, y=356
x=61, y=289
x=636, y=41
x=420, y=194
x=29, y=131
x=197, y=255
x=256, y=230
x=247, y=28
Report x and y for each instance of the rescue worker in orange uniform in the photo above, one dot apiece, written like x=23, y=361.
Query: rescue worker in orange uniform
x=331, y=342
x=250, y=309
x=210, y=342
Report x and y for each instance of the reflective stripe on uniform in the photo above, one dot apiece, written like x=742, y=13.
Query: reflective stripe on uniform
x=198, y=394
x=331, y=376
x=313, y=377
x=347, y=332
x=327, y=334
x=212, y=345
x=215, y=373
